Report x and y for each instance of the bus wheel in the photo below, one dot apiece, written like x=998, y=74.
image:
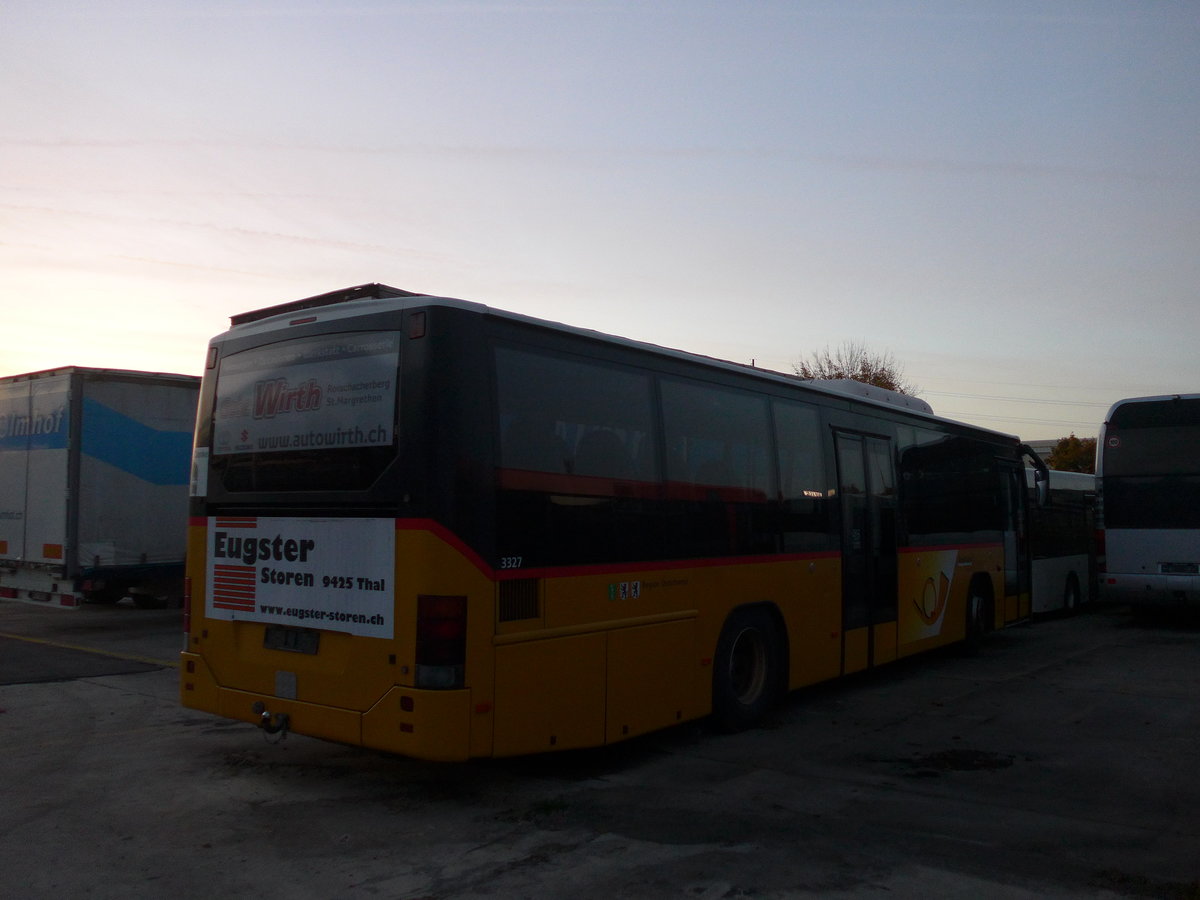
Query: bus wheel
x=1072, y=597
x=977, y=620
x=747, y=670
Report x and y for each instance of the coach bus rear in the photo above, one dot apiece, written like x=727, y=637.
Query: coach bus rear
x=1148, y=475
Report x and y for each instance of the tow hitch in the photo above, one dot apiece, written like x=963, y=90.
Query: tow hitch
x=271, y=723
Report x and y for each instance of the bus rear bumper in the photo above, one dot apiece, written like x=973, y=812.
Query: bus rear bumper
x=198, y=689
x=1151, y=590
x=433, y=725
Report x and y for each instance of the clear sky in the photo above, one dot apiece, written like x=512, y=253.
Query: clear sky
x=1003, y=195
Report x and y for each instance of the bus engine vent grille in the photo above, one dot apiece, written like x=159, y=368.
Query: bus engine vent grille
x=518, y=599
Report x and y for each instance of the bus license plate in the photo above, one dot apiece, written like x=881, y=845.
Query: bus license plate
x=295, y=640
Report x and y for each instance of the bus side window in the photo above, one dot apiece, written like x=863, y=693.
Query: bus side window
x=531, y=442
x=722, y=484
x=578, y=480
x=804, y=492
x=602, y=452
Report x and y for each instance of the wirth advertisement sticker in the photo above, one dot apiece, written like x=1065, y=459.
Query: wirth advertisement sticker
x=320, y=393
x=332, y=574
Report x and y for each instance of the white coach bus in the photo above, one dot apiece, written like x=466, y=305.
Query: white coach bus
x=1148, y=469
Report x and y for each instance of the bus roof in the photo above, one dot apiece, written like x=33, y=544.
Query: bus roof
x=381, y=298
x=373, y=291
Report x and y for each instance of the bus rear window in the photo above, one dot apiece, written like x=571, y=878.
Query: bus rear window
x=307, y=414
x=1161, y=450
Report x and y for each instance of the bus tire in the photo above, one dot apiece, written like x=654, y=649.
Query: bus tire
x=747, y=669
x=978, y=619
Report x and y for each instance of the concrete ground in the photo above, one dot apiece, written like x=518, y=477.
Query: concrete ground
x=1062, y=761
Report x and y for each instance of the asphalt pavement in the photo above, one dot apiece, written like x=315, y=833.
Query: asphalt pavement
x=1061, y=761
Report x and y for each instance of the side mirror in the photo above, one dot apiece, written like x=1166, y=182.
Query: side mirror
x=1043, y=489
x=1041, y=475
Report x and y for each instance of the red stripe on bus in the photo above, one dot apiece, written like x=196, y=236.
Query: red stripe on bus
x=666, y=565
x=584, y=485
x=449, y=537
x=600, y=486
x=445, y=534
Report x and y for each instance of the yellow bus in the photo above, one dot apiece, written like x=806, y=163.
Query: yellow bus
x=430, y=527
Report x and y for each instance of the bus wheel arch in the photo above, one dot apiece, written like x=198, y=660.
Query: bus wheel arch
x=749, y=667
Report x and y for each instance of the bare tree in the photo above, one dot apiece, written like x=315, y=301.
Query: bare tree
x=855, y=361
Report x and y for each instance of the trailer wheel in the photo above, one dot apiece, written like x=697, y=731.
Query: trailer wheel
x=1072, y=596
x=747, y=669
x=105, y=596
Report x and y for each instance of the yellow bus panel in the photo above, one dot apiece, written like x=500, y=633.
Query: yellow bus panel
x=655, y=679
x=549, y=694
x=433, y=725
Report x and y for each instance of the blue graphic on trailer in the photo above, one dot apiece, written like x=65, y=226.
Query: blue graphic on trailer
x=159, y=457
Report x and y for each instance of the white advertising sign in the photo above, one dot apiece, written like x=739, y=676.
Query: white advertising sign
x=332, y=574
x=320, y=393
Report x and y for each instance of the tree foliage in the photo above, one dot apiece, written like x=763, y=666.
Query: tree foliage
x=855, y=361
x=1072, y=454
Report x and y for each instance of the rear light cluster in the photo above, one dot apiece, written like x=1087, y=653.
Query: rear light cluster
x=441, y=641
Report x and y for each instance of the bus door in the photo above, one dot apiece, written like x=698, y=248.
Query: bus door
x=867, y=488
x=1015, y=528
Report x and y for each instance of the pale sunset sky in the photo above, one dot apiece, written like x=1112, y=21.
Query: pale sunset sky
x=1003, y=195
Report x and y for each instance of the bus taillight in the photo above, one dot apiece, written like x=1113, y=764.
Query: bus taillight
x=441, y=641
